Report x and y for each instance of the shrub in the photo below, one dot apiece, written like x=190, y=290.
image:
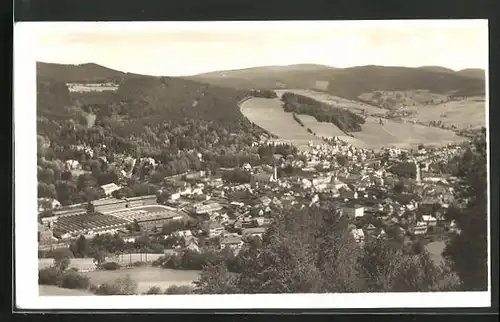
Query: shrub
x=121, y=286
x=110, y=266
x=183, y=289
x=138, y=264
x=48, y=276
x=155, y=290
x=93, y=288
x=73, y=280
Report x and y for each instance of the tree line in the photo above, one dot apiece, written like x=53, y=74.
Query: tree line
x=342, y=118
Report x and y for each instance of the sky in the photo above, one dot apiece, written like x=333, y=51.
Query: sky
x=180, y=49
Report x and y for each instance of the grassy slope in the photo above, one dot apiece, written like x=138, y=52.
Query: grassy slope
x=270, y=115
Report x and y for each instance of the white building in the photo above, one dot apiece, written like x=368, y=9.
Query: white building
x=354, y=211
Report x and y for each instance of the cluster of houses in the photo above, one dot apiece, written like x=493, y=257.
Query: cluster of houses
x=234, y=213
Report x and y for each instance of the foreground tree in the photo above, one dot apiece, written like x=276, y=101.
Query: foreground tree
x=311, y=250
x=467, y=251
x=215, y=279
x=62, y=258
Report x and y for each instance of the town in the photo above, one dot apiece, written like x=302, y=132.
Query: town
x=234, y=205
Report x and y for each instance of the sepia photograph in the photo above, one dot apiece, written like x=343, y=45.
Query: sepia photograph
x=270, y=164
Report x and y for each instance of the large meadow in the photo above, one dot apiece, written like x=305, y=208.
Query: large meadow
x=269, y=114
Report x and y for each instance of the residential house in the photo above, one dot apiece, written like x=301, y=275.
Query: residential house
x=347, y=193
x=72, y=165
x=379, y=233
x=431, y=221
x=265, y=200
x=251, y=232
x=420, y=228
x=48, y=204
x=232, y=242
x=354, y=211
x=191, y=243
x=337, y=184
x=358, y=235
x=110, y=188
x=370, y=228
x=262, y=178
x=213, y=228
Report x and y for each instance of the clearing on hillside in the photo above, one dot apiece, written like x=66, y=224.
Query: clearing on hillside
x=270, y=115
x=353, y=106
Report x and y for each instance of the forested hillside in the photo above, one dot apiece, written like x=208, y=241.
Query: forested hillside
x=342, y=118
x=353, y=81
x=172, y=120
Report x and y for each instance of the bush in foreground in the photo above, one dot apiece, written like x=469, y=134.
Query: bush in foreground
x=66, y=279
x=48, y=276
x=73, y=280
x=121, y=286
x=155, y=290
x=110, y=266
x=183, y=289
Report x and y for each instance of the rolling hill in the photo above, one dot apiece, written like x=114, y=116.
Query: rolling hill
x=349, y=82
x=158, y=103
x=473, y=72
x=83, y=73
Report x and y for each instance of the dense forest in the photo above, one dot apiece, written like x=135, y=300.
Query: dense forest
x=171, y=120
x=343, y=119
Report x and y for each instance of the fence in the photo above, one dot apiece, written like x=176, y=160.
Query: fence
x=128, y=259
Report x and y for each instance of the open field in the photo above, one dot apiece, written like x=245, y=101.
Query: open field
x=436, y=249
x=463, y=113
x=147, y=277
x=269, y=115
x=396, y=99
x=353, y=106
x=51, y=290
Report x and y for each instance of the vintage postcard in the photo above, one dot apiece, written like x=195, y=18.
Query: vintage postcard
x=197, y=164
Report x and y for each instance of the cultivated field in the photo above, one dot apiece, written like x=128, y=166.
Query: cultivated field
x=269, y=115
x=355, y=107
x=396, y=99
x=462, y=114
x=147, y=277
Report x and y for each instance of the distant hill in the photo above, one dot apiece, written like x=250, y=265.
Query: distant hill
x=139, y=100
x=473, y=72
x=264, y=71
x=268, y=77
x=438, y=69
x=347, y=82
x=83, y=73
